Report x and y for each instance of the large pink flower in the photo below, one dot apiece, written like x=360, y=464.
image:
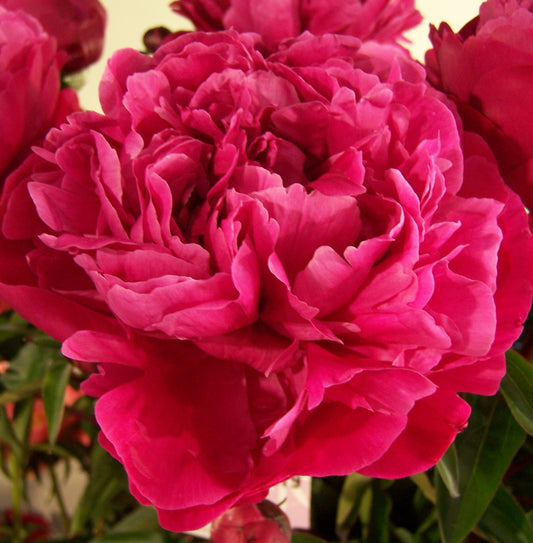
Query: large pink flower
x=486, y=69
x=383, y=20
x=31, y=100
x=78, y=26
x=283, y=265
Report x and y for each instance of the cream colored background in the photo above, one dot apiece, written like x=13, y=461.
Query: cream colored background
x=129, y=19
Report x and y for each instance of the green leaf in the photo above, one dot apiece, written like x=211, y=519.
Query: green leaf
x=484, y=451
x=142, y=519
x=517, y=389
x=108, y=480
x=26, y=371
x=22, y=419
x=8, y=436
x=12, y=326
x=325, y=493
x=53, y=391
x=21, y=393
x=405, y=536
x=449, y=471
x=505, y=521
x=379, y=525
x=422, y=481
x=353, y=490
x=305, y=538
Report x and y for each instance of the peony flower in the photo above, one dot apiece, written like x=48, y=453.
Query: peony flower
x=283, y=265
x=30, y=97
x=485, y=69
x=382, y=20
x=78, y=26
x=261, y=523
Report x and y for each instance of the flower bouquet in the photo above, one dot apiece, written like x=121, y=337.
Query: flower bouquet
x=284, y=248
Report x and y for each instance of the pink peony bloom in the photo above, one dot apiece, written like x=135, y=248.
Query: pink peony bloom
x=30, y=97
x=486, y=69
x=382, y=20
x=261, y=523
x=284, y=265
x=78, y=26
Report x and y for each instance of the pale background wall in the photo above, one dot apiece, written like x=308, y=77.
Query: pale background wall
x=129, y=19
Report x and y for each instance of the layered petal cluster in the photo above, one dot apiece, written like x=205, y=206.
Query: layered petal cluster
x=283, y=265
x=31, y=100
x=485, y=69
x=382, y=20
x=77, y=25
x=261, y=523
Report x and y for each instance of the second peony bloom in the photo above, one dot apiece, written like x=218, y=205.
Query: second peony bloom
x=282, y=265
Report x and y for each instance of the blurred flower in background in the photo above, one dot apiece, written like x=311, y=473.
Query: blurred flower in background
x=487, y=69
x=35, y=527
x=77, y=25
x=31, y=99
x=381, y=20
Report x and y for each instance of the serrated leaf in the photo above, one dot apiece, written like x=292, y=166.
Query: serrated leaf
x=53, y=393
x=517, y=389
x=449, y=471
x=484, y=451
x=504, y=520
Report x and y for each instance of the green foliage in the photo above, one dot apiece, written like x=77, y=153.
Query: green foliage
x=483, y=486
x=517, y=389
x=53, y=393
x=106, y=495
x=484, y=453
x=505, y=520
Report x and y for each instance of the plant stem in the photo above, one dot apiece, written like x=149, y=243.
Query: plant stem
x=59, y=497
x=16, y=499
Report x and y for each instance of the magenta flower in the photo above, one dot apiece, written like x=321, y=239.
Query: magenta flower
x=36, y=527
x=283, y=265
x=382, y=20
x=78, y=26
x=31, y=100
x=485, y=69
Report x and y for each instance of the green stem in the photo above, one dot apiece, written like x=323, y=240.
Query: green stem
x=59, y=497
x=16, y=499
